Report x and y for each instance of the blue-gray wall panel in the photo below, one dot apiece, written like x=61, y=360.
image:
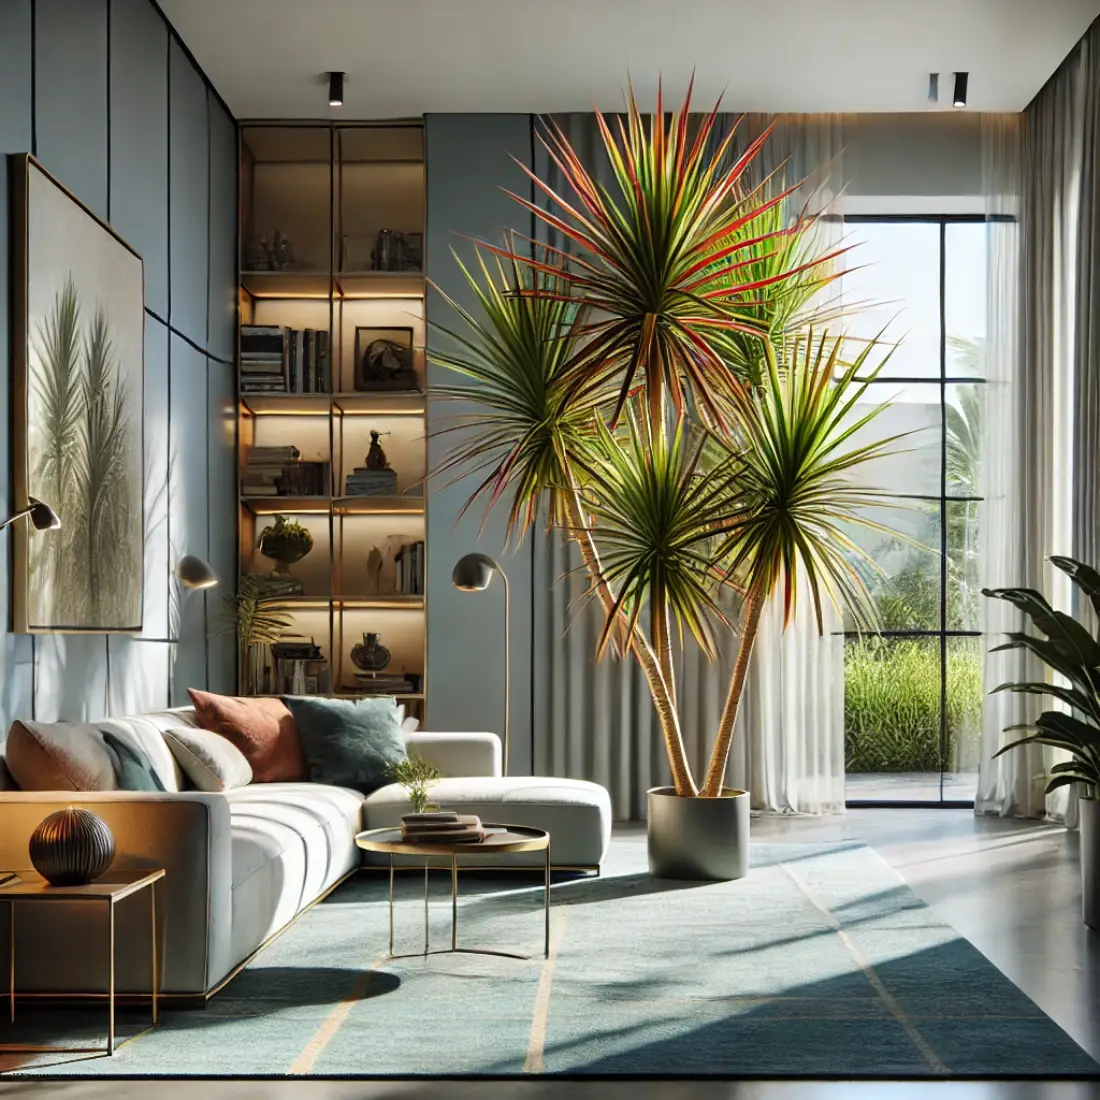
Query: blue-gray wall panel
x=139, y=140
x=158, y=565
x=468, y=164
x=187, y=507
x=222, y=507
x=85, y=676
x=71, y=95
x=223, y=234
x=188, y=176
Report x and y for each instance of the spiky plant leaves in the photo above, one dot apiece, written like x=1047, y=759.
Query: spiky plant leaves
x=525, y=423
x=655, y=511
x=656, y=258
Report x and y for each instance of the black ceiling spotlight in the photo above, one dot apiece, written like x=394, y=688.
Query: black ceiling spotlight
x=959, y=99
x=336, y=89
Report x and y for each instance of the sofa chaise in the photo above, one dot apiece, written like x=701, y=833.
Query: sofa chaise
x=241, y=864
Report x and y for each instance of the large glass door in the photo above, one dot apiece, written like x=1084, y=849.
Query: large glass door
x=913, y=693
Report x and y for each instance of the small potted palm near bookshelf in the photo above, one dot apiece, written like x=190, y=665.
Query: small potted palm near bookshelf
x=332, y=410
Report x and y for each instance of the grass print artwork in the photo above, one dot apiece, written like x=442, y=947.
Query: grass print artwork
x=82, y=389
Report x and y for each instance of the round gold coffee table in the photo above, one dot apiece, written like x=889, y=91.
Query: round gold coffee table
x=516, y=838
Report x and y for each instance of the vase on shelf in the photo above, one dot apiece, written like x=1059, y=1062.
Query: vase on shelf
x=285, y=542
x=370, y=655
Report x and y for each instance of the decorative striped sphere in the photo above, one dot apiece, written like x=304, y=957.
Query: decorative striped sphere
x=72, y=847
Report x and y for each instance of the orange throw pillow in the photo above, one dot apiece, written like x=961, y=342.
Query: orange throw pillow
x=263, y=729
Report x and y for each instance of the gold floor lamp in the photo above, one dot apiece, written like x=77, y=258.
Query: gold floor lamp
x=473, y=573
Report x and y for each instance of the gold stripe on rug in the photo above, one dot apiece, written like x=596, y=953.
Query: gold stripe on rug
x=328, y=1030
x=872, y=977
x=536, y=1044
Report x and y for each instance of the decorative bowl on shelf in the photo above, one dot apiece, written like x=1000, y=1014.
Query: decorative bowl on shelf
x=285, y=542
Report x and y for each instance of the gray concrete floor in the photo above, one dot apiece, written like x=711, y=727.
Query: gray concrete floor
x=1009, y=887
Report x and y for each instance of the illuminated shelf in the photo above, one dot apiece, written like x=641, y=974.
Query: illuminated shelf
x=287, y=404
x=381, y=403
x=287, y=284
x=274, y=506
x=349, y=285
x=375, y=403
x=349, y=603
x=379, y=284
x=379, y=506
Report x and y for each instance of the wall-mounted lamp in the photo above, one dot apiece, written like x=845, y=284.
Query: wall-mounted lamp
x=336, y=89
x=195, y=573
x=472, y=573
x=961, y=80
x=42, y=516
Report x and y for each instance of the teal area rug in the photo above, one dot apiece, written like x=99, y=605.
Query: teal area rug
x=822, y=962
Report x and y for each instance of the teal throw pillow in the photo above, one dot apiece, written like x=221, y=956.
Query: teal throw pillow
x=133, y=769
x=348, y=743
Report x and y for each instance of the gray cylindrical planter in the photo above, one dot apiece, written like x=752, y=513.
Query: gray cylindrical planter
x=1089, y=826
x=698, y=838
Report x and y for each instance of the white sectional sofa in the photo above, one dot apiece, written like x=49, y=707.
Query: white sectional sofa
x=242, y=863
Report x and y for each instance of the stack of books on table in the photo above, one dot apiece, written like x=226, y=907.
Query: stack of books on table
x=445, y=827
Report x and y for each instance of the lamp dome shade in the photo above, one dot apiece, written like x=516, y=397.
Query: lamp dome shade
x=473, y=572
x=195, y=573
x=43, y=516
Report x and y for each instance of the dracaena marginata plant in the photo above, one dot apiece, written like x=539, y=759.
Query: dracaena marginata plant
x=663, y=387
x=1069, y=649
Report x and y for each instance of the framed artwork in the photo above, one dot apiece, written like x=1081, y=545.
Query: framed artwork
x=79, y=325
x=384, y=359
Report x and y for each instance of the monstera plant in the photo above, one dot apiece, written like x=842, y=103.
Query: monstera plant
x=1071, y=652
x=660, y=382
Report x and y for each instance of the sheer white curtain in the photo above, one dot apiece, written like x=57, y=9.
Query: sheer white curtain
x=596, y=721
x=1041, y=175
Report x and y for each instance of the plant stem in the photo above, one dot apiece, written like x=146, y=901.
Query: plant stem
x=754, y=604
x=662, y=640
x=647, y=659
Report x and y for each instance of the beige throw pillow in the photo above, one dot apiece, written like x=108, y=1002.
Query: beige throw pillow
x=212, y=762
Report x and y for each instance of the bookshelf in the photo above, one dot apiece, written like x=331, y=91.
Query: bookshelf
x=330, y=351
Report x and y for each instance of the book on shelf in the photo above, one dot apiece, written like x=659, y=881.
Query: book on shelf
x=363, y=482
x=368, y=683
x=409, y=570
x=280, y=471
x=284, y=360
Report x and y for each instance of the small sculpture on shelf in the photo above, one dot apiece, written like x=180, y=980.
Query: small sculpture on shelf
x=384, y=359
x=374, y=572
x=375, y=477
x=285, y=542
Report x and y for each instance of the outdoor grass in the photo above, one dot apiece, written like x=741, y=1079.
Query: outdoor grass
x=892, y=705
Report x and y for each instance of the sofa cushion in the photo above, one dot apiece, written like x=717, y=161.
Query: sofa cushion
x=133, y=769
x=58, y=756
x=576, y=813
x=290, y=843
x=212, y=762
x=263, y=729
x=349, y=743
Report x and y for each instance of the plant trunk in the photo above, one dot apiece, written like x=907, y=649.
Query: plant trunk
x=658, y=688
x=712, y=785
x=660, y=628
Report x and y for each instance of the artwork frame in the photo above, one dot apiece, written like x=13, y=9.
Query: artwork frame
x=408, y=381
x=78, y=297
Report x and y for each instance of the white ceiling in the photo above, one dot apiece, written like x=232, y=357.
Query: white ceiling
x=404, y=58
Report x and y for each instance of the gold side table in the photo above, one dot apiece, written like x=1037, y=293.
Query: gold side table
x=517, y=838
x=108, y=890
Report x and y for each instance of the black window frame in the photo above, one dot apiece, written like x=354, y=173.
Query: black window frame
x=943, y=380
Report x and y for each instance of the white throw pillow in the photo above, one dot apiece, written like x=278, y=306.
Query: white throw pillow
x=212, y=762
